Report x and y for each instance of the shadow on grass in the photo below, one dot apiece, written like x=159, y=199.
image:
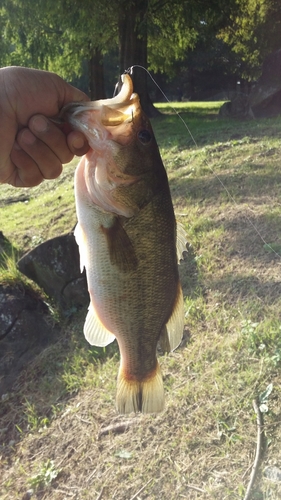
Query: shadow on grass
x=188, y=271
x=207, y=128
x=251, y=239
x=238, y=286
x=242, y=186
x=48, y=382
x=57, y=373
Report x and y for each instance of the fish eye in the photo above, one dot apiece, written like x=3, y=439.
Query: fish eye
x=144, y=136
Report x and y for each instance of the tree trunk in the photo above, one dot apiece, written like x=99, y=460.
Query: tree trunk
x=96, y=75
x=133, y=49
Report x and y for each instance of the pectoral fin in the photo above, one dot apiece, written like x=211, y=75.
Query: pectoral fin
x=94, y=331
x=121, y=251
x=172, y=332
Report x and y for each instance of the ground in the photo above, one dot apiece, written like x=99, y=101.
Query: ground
x=60, y=434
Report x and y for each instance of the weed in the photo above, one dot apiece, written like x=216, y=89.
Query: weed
x=35, y=422
x=263, y=398
x=11, y=276
x=264, y=339
x=45, y=475
x=9, y=273
x=249, y=332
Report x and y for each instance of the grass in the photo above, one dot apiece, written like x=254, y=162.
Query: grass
x=226, y=192
x=51, y=202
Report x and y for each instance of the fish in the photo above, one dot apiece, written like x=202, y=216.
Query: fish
x=128, y=244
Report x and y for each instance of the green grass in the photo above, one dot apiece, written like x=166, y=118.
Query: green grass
x=226, y=191
x=29, y=216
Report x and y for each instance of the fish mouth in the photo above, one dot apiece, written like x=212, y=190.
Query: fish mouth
x=121, y=109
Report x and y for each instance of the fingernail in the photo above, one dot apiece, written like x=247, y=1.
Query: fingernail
x=39, y=124
x=27, y=137
x=78, y=143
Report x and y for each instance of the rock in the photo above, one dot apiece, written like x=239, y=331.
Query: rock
x=273, y=473
x=265, y=96
x=55, y=267
x=26, y=327
x=238, y=107
x=28, y=495
x=264, y=100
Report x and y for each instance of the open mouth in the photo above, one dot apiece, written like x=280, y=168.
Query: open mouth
x=123, y=108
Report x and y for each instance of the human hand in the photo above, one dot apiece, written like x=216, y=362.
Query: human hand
x=32, y=147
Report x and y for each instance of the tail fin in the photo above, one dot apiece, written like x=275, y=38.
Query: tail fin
x=146, y=395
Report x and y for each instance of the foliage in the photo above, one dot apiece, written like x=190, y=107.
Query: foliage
x=64, y=35
x=45, y=475
x=58, y=36
x=170, y=34
x=253, y=32
x=9, y=273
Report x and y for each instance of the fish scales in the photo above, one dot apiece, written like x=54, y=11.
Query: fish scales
x=126, y=234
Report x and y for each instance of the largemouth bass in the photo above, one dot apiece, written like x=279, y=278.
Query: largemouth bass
x=126, y=234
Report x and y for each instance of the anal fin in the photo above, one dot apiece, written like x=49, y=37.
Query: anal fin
x=172, y=332
x=94, y=331
x=181, y=241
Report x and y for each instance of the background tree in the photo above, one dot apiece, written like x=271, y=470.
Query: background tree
x=59, y=36
x=253, y=33
x=157, y=34
x=187, y=38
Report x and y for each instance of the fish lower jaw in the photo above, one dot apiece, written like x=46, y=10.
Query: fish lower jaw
x=145, y=395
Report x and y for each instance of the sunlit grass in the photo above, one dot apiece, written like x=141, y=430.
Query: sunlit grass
x=9, y=273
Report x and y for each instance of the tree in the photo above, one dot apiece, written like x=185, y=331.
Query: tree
x=157, y=33
x=254, y=31
x=59, y=36
x=132, y=29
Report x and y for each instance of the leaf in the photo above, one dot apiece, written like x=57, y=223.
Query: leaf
x=272, y=248
x=264, y=395
x=123, y=454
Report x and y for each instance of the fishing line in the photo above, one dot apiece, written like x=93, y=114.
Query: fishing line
x=130, y=71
